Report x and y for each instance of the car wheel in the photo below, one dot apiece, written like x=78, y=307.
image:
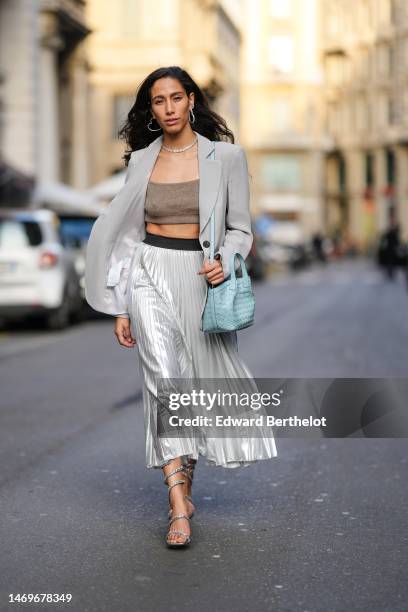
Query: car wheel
x=60, y=318
x=78, y=315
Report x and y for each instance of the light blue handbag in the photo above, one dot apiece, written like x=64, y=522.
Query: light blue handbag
x=230, y=305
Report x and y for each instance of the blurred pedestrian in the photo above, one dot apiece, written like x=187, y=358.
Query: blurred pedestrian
x=389, y=248
x=317, y=244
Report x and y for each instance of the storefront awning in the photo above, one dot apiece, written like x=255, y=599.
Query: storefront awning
x=15, y=186
x=107, y=189
x=63, y=198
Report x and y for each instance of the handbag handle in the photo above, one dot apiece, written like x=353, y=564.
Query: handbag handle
x=244, y=270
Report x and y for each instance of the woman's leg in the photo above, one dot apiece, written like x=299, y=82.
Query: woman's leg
x=189, y=470
x=186, y=475
x=178, y=502
x=161, y=349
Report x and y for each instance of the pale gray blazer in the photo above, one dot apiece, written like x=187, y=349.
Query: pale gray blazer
x=121, y=227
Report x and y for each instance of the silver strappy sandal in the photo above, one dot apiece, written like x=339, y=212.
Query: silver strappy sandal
x=187, y=540
x=188, y=470
x=174, y=543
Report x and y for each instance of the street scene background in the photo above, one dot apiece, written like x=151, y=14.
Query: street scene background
x=316, y=91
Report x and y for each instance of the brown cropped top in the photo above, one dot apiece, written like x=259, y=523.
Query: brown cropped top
x=172, y=202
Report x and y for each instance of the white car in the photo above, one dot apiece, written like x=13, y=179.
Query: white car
x=37, y=274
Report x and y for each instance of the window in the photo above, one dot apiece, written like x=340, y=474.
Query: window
x=281, y=53
x=385, y=59
x=392, y=111
x=394, y=11
x=364, y=64
x=280, y=9
x=391, y=60
x=336, y=69
x=281, y=173
x=390, y=166
x=281, y=115
x=333, y=118
x=121, y=107
x=341, y=174
x=369, y=170
x=131, y=18
x=385, y=12
x=404, y=102
x=332, y=20
x=18, y=234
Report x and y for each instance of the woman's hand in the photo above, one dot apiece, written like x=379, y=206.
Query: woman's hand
x=123, y=333
x=213, y=271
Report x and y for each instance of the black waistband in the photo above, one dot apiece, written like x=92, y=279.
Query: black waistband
x=167, y=242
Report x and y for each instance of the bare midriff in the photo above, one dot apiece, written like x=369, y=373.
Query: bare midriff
x=174, y=230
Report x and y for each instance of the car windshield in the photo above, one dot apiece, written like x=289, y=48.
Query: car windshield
x=15, y=234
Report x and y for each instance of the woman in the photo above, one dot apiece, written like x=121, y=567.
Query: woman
x=147, y=264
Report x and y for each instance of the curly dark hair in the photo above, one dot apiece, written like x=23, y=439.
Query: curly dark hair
x=207, y=122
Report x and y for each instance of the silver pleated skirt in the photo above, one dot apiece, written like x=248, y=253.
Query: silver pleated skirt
x=165, y=298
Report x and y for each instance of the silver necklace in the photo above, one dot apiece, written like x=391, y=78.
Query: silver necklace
x=180, y=150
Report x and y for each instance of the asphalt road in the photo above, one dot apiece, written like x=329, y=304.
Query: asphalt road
x=321, y=527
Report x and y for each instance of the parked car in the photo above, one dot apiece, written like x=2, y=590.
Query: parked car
x=273, y=252
x=74, y=231
x=37, y=274
x=293, y=256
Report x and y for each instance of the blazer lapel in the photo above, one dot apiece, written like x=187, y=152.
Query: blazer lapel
x=209, y=171
x=210, y=175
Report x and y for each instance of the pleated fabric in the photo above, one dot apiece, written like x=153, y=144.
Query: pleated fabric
x=165, y=297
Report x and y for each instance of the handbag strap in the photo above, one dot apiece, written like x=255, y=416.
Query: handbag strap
x=212, y=243
x=212, y=224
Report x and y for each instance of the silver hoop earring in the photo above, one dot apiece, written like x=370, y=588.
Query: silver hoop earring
x=191, y=111
x=151, y=129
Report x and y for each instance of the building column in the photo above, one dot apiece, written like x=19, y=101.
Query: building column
x=332, y=206
x=80, y=134
x=313, y=216
x=355, y=189
x=380, y=183
x=401, y=189
x=48, y=114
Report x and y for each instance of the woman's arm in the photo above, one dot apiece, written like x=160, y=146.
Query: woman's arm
x=104, y=289
x=238, y=234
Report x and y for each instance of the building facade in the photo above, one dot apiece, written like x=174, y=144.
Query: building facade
x=282, y=111
x=131, y=38
x=364, y=45
x=43, y=89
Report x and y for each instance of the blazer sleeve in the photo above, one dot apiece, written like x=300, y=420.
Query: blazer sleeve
x=238, y=234
x=104, y=289
x=125, y=314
